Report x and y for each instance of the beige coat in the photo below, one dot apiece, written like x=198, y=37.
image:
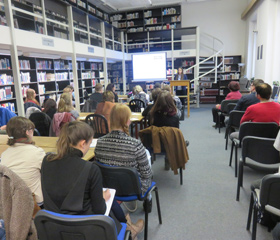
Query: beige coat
x=16, y=206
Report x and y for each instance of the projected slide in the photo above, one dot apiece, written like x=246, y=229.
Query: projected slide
x=149, y=66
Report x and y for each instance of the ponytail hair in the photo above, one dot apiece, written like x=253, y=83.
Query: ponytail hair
x=16, y=130
x=65, y=103
x=119, y=117
x=70, y=135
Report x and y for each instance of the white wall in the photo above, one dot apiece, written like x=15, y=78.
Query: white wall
x=267, y=15
x=220, y=18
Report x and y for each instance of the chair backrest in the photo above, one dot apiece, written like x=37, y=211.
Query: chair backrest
x=235, y=118
x=135, y=105
x=224, y=104
x=42, y=122
x=270, y=191
x=230, y=107
x=57, y=226
x=124, y=179
x=258, y=129
x=260, y=150
x=98, y=123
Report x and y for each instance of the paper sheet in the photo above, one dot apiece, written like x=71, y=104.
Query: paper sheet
x=110, y=201
x=93, y=143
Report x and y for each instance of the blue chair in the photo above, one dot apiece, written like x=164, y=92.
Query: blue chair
x=128, y=187
x=51, y=225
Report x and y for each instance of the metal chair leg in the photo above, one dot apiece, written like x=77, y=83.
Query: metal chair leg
x=146, y=220
x=239, y=180
x=158, y=205
x=250, y=212
x=231, y=152
x=254, y=229
x=181, y=176
x=236, y=160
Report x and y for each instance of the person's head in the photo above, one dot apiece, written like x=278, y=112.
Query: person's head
x=110, y=87
x=233, y=86
x=138, y=89
x=264, y=91
x=65, y=103
x=166, y=88
x=67, y=90
x=49, y=104
x=108, y=96
x=155, y=94
x=120, y=118
x=20, y=129
x=30, y=94
x=180, y=71
x=74, y=134
x=71, y=87
x=164, y=104
x=99, y=88
x=255, y=83
x=157, y=85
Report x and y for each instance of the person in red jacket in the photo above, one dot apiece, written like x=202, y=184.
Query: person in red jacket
x=266, y=110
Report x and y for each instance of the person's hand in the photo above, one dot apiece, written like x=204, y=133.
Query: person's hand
x=3, y=127
x=218, y=106
x=106, y=195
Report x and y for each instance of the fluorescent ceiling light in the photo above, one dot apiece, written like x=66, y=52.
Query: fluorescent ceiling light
x=94, y=60
x=42, y=55
x=150, y=1
x=81, y=59
x=109, y=5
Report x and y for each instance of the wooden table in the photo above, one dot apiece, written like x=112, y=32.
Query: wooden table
x=135, y=119
x=48, y=144
x=184, y=83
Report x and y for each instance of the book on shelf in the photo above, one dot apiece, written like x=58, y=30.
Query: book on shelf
x=5, y=63
x=10, y=106
x=6, y=79
x=25, y=77
x=24, y=64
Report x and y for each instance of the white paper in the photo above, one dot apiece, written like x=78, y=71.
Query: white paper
x=93, y=143
x=133, y=119
x=110, y=201
x=82, y=118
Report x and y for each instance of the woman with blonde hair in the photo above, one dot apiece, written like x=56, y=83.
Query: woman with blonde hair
x=30, y=100
x=117, y=148
x=140, y=94
x=65, y=105
x=23, y=157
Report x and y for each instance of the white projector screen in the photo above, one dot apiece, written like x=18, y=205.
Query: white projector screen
x=149, y=66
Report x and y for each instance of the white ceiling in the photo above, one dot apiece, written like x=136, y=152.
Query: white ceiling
x=111, y=6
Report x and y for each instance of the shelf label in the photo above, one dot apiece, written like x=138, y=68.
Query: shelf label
x=185, y=53
x=91, y=49
x=48, y=42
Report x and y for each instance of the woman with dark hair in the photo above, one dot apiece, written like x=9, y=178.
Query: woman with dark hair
x=164, y=111
x=111, y=87
x=234, y=94
x=155, y=93
x=181, y=90
x=22, y=157
x=50, y=107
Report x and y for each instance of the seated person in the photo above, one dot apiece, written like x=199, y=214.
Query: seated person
x=23, y=157
x=111, y=87
x=155, y=94
x=249, y=99
x=140, y=94
x=177, y=100
x=5, y=116
x=65, y=105
x=266, y=110
x=30, y=100
x=97, y=96
x=50, y=107
x=117, y=148
x=105, y=107
x=234, y=94
x=164, y=111
x=70, y=90
x=77, y=190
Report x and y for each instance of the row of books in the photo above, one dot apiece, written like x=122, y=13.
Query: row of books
x=60, y=65
x=43, y=64
x=169, y=11
x=24, y=90
x=88, y=75
x=41, y=89
x=186, y=63
x=5, y=63
x=6, y=93
x=10, y=106
x=151, y=21
x=230, y=76
x=6, y=79
x=24, y=64
x=25, y=77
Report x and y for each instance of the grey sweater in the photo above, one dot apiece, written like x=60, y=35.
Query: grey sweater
x=118, y=149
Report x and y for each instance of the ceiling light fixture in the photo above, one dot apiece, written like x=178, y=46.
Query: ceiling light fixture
x=109, y=5
x=42, y=55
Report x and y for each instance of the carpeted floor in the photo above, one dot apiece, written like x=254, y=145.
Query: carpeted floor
x=204, y=207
